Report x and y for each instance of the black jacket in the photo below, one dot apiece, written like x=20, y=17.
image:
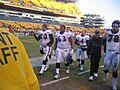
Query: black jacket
x=94, y=46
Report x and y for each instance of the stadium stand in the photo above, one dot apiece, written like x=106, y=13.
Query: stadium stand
x=29, y=23
x=48, y=5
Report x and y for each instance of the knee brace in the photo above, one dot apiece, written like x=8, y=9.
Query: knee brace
x=114, y=74
x=82, y=62
x=45, y=61
x=78, y=60
x=57, y=65
x=106, y=71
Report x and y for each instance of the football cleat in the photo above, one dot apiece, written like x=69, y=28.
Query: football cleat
x=96, y=74
x=91, y=78
x=67, y=71
x=81, y=67
x=46, y=68
x=57, y=76
x=40, y=74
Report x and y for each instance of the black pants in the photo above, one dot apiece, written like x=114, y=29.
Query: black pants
x=94, y=64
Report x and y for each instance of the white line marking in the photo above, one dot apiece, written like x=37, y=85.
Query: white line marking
x=54, y=81
x=87, y=71
x=84, y=72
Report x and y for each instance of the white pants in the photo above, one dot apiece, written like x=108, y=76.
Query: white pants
x=61, y=54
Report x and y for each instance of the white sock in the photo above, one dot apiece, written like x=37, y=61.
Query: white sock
x=57, y=70
x=42, y=69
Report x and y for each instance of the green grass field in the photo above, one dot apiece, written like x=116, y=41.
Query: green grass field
x=31, y=45
x=75, y=81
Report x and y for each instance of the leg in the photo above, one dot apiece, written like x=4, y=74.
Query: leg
x=48, y=58
x=115, y=62
x=78, y=52
x=97, y=63
x=58, y=55
x=82, y=58
x=45, y=59
x=66, y=56
x=92, y=66
x=107, y=64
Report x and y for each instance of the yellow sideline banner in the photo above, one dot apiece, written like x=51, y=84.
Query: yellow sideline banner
x=16, y=72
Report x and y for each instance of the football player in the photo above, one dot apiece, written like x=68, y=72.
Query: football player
x=81, y=41
x=111, y=59
x=46, y=40
x=63, y=46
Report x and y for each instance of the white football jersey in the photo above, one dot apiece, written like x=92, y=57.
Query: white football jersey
x=63, y=40
x=113, y=40
x=82, y=40
x=45, y=37
x=71, y=33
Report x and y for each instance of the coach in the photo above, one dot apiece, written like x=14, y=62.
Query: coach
x=94, y=53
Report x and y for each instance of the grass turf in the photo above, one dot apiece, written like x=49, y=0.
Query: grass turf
x=31, y=45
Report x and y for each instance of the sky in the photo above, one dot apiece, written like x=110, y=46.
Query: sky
x=109, y=9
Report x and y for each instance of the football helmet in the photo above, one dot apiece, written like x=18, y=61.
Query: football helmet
x=116, y=24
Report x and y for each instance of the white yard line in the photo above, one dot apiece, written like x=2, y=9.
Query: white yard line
x=84, y=72
x=54, y=81
x=87, y=71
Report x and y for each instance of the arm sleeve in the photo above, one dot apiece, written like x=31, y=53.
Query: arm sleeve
x=51, y=40
x=89, y=47
x=55, y=46
x=38, y=37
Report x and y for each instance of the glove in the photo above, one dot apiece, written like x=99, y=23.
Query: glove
x=69, y=59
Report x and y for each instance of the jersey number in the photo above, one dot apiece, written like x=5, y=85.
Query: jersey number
x=115, y=38
x=82, y=41
x=64, y=39
x=45, y=36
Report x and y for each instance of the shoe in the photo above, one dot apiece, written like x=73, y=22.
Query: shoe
x=40, y=74
x=114, y=84
x=67, y=71
x=46, y=68
x=105, y=77
x=57, y=76
x=91, y=78
x=96, y=74
x=81, y=67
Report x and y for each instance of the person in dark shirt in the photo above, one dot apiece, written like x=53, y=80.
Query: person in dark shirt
x=94, y=53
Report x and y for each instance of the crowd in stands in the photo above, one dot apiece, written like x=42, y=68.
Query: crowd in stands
x=26, y=28
x=48, y=5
